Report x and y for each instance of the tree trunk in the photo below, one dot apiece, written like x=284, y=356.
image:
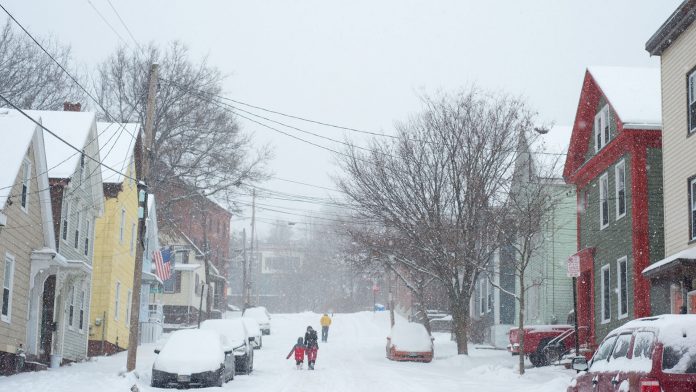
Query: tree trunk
x=424, y=310
x=460, y=324
x=520, y=329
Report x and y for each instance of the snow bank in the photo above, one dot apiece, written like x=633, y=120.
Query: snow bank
x=408, y=336
x=191, y=351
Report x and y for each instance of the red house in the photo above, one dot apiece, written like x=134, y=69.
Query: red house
x=615, y=162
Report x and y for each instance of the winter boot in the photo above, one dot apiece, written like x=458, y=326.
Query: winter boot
x=311, y=365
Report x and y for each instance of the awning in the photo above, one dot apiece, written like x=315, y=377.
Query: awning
x=680, y=263
x=149, y=277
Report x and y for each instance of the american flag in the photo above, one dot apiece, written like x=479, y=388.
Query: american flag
x=163, y=263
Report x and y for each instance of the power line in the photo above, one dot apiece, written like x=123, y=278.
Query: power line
x=125, y=26
x=107, y=22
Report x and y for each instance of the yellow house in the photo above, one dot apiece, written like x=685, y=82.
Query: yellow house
x=115, y=241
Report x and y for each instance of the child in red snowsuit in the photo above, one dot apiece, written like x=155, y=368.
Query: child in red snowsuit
x=299, y=350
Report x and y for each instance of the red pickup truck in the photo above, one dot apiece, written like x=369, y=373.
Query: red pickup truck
x=543, y=343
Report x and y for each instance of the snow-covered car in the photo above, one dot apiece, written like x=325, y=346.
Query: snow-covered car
x=235, y=334
x=261, y=315
x=193, y=357
x=409, y=342
x=650, y=354
x=253, y=330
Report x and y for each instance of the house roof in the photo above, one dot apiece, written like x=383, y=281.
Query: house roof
x=548, y=151
x=673, y=27
x=73, y=127
x=634, y=93
x=14, y=148
x=116, y=146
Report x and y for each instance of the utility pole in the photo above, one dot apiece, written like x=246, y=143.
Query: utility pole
x=146, y=161
x=251, y=255
x=245, y=276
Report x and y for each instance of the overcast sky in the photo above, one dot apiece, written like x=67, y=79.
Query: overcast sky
x=362, y=63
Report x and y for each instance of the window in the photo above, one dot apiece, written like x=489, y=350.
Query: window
x=643, y=345
x=173, y=284
x=71, y=307
x=196, y=285
x=128, y=306
x=87, y=235
x=482, y=296
x=692, y=102
x=26, y=179
x=66, y=219
x=117, y=303
x=77, y=227
x=606, y=294
x=489, y=288
x=692, y=201
x=83, y=168
x=132, y=240
x=623, y=342
x=7, y=282
x=122, y=226
x=604, y=350
x=604, y=201
x=82, y=310
x=622, y=286
x=601, y=127
x=620, y=171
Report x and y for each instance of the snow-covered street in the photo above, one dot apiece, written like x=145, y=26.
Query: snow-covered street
x=352, y=360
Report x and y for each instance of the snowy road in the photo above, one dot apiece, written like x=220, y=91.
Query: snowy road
x=353, y=360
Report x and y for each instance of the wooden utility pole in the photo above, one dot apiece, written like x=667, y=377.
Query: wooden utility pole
x=247, y=303
x=244, y=271
x=145, y=163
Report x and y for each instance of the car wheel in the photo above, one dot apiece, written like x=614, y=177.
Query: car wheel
x=221, y=378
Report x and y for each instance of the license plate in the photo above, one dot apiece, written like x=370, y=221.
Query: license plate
x=413, y=355
x=183, y=378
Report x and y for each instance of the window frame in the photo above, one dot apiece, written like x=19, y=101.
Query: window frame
x=26, y=185
x=71, y=308
x=620, y=165
x=7, y=284
x=489, y=296
x=132, y=239
x=690, y=101
x=601, y=124
x=482, y=298
x=621, y=298
x=129, y=299
x=605, y=293
x=65, y=226
x=122, y=227
x=81, y=319
x=691, y=206
x=117, y=300
x=78, y=227
x=87, y=236
x=603, y=198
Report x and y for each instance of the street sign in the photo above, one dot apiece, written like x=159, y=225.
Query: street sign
x=574, y=266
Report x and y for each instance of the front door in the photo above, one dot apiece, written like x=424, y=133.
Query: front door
x=46, y=328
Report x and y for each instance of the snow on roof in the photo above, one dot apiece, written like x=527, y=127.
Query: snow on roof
x=689, y=253
x=15, y=147
x=116, y=146
x=73, y=127
x=634, y=93
x=191, y=351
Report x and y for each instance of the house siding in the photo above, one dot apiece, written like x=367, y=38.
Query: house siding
x=611, y=243
x=679, y=159
x=656, y=219
x=23, y=233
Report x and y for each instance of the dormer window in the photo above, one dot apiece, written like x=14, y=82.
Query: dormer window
x=601, y=128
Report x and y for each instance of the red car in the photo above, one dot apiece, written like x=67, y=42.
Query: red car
x=409, y=342
x=537, y=337
x=650, y=354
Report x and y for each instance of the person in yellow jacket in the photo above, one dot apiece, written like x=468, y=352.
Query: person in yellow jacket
x=325, y=323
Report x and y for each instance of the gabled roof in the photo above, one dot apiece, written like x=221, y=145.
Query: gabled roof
x=673, y=27
x=116, y=144
x=73, y=127
x=18, y=132
x=634, y=93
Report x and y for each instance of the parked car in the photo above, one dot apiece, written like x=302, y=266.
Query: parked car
x=261, y=315
x=235, y=334
x=193, y=357
x=409, y=342
x=536, y=339
x=650, y=354
x=253, y=330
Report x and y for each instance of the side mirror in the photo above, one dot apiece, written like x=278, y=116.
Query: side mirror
x=157, y=351
x=228, y=352
x=252, y=339
x=579, y=364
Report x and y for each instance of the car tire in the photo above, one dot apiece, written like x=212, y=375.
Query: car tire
x=221, y=379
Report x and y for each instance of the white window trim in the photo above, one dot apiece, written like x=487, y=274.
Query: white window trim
x=601, y=121
x=83, y=298
x=690, y=99
x=620, y=165
x=71, y=308
x=132, y=240
x=8, y=318
x=117, y=302
x=129, y=298
x=482, y=299
x=692, y=208
x=122, y=228
x=601, y=200
x=618, y=287
x=26, y=180
x=601, y=284
x=489, y=291
x=78, y=227
x=65, y=223
x=86, y=243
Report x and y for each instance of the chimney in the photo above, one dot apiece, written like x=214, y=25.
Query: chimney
x=71, y=107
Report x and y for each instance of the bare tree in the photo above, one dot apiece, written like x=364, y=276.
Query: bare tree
x=440, y=185
x=30, y=79
x=196, y=140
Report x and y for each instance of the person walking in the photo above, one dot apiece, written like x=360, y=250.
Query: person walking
x=311, y=346
x=299, y=351
x=325, y=323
